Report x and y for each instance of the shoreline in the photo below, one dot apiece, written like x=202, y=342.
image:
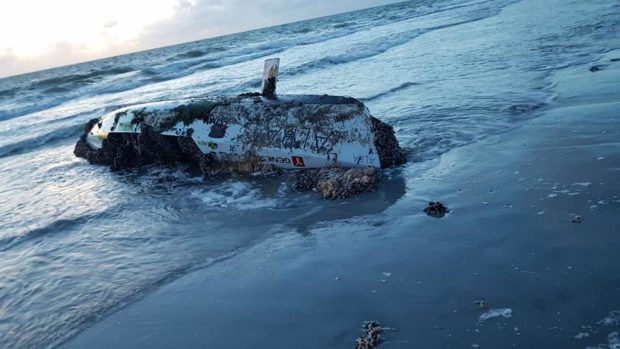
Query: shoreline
x=508, y=240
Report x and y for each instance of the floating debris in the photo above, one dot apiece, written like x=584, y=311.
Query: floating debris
x=436, y=209
x=371, y=336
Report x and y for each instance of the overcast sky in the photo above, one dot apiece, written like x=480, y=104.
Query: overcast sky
x=39, y=34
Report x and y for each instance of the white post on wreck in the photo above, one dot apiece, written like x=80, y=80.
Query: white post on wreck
x=270, y=76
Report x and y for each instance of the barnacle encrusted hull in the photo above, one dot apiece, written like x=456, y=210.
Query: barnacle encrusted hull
x=244, y=133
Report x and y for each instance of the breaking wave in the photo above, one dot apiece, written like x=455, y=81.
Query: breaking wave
x=47, y=139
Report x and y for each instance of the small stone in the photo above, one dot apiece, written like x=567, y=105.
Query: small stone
x=482, y=304
x=436, y=209
x=595, y=68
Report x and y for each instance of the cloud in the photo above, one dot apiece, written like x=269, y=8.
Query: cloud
x=60, y=53
x=202, y=19
x=190, y=20
x=7, y=59
x=110, y=24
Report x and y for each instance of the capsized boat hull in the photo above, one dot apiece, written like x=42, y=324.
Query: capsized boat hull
x=288, y=132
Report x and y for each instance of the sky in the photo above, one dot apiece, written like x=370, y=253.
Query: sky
x=40, y=34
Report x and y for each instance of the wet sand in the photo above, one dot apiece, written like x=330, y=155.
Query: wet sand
x=508, y=240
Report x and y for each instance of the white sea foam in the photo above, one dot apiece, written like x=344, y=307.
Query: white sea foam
x=235, y=194
x=582, y=335
x=612, y=319
x=613, y=342
x=493, y=313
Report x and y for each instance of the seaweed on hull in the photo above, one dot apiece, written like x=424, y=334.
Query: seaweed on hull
x=333, y=142
x=127, y=150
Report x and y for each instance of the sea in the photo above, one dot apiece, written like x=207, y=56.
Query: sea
x=78, y=241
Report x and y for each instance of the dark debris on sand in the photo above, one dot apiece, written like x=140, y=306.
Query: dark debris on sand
x=371, y=336
x=436, y=209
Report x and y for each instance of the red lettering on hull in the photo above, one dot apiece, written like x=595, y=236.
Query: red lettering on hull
x=298, y=161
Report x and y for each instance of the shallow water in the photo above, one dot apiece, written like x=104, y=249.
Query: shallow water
x=78, y=241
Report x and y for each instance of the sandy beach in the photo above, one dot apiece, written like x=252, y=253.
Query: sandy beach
x=508, y=240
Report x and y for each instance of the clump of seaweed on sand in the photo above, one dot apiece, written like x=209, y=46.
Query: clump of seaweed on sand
x=371, y=335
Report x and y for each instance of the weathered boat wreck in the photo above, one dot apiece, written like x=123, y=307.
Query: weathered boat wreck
x=334, y=142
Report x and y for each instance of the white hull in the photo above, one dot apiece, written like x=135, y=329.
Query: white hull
x=288, y=132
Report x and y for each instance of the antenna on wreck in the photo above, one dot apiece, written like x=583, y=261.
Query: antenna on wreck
x=270, y=75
